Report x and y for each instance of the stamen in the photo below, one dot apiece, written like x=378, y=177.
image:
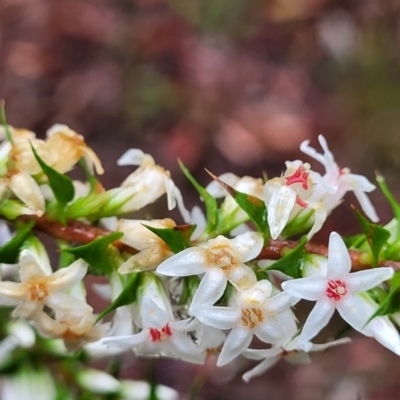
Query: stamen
x=300, y=176
x=336, y=289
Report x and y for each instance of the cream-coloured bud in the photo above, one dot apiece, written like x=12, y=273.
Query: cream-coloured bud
x=28, y=191
x=70, y=147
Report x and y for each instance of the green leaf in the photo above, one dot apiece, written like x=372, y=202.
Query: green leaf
x=96, y=253
x=176, y=238
x=9, y=253
x=4, y=122
x=291, y=263
x=60, y=184
x=391, y=303
x=127, y=296
x=252, y=206
x=190, y=285
x=376, y=235
x=390, y=198
x=210, y=201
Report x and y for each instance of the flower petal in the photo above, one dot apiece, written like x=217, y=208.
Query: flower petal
x=67, y=277
x=237, y=341
x=366, y=205
x=11, y=293
x=211, y=288
x=279, y=208
x=339, y=263
x=192, y=261
x=30, y=267
x=318, y=319
x=306, y=288
x=355, y=310
x=248, y=245
x=364, y=280
x=385, y=333
x=260, y=368
x=183, y=347
x=218, y=317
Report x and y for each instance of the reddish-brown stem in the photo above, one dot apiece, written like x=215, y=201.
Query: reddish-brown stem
x=82, y=233
x=74, y=231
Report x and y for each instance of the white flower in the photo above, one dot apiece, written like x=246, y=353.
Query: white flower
x=336, y=181
x=290, y=352
x=160, y=334
x=75, y=327
x=38, y=288
x=254, y=312
x=28, y=191
x=288, y=196
x=337, y=289
x=221, y=260
x=28, y=383
x=148, y=183
x=381, y=328
x=98, y=381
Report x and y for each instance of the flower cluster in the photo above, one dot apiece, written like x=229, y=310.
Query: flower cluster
x=203, y=287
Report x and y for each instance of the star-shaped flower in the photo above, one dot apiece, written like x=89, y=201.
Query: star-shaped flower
x=160, y=333
x=336, y=288
x=251, y=312
x=221, y=260
x=337, y=181
x=38, y=288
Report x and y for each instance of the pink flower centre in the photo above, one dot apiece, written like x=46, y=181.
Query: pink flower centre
x=336, y=289
x=300, y=176
x=157, y=335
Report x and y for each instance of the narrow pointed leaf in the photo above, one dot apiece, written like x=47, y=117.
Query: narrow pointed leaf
x=127, y=296
x=96, y=254
x=176, y=238
x=376, y=235
x=252, y=206
x=390, y=198
x=9, y=253
x=60, y=184
x=4, y=122
x=291, y=263
x=210, y=201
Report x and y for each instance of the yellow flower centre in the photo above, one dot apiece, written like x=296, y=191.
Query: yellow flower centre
x=221, y=256
x=251, y=317
x=38, y=291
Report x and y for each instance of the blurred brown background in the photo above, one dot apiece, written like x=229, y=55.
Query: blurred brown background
x=231, y=85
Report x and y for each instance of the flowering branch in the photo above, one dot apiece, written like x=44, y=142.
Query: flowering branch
x=193, y=289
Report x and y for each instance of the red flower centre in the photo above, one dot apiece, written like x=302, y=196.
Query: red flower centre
x=300, y=176
x=336, y=289
x=157, y=335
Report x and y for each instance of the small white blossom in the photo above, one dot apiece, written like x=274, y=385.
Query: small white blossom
x=221, y=260
x=290, y=352
x=336, y=288
x=38, y=288
x=251, y=312
x=289, y=196
x=337, y=181
x=147, y=184
x=161, y=334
